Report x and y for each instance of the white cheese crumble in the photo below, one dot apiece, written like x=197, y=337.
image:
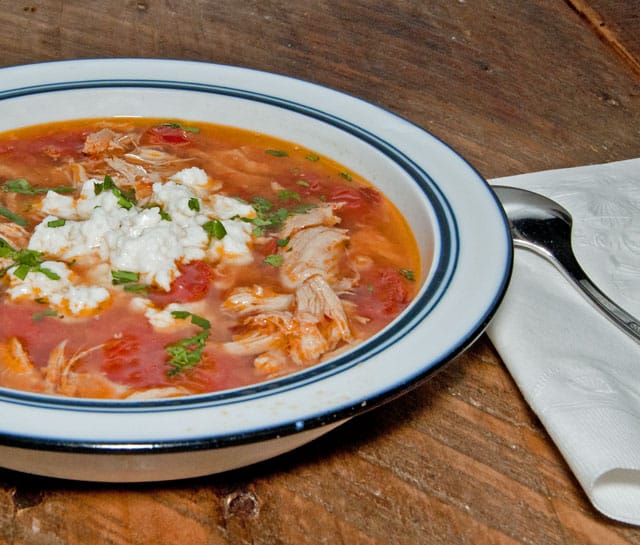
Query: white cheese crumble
x=58, y=205
x=193, y=177
x=234, y=247
x=62, y=295
x=227, y=207
x=148, y=245
x=151, y=241
x=163, y=319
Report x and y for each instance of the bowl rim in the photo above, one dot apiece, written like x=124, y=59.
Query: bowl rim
x=30, y=79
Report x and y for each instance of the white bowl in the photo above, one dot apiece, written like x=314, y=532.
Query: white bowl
x=459, y=225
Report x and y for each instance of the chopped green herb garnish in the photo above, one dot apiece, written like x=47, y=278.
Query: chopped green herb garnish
x=126, y=198
x=346, y=176
x=277, y=153
x=5, y=248
x=47, y=272
x=261, y=204
x=261, y=222
x=279, y=216
x=129, y=282
x=303, y=208
x=194, y=204
x=270, y=218
x=312, y=157
x=141, y=289
x=302, y=183
x=125, y=202
x=408, y=274
x=20, y=185
x=282, y=242
x=176, y=125
x=274, y=260
x=215, y=228
x=25, y=261
x=13, y=217
x=286, y=194
x=186, y=353
x=200, y=321
x=21, y=271
x=124, y=277
x=163, y=215
x=44, y=314
x=56, y=223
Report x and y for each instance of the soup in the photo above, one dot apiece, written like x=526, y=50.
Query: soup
x=148, y=258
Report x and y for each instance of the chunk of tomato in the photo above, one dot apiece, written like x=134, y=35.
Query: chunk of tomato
x=389, y=292
x=192, y=285
x=358, y=203
x=166, y=134
x=355, y=198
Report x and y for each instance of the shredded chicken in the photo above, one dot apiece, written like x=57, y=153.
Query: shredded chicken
x=312, y=251
x=130, y=172
x=237, y=160
x=102, y=141
x=14, y=234
x=320, y=215
x=311, y=321
x=152, y=157
x=316, y=298
x=128, y=161
x=249, y=300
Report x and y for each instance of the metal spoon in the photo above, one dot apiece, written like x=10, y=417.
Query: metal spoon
x=543, y=226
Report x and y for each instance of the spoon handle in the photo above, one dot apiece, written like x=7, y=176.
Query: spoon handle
x=568, y=264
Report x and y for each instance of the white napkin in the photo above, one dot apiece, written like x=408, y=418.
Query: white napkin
x=579, y=373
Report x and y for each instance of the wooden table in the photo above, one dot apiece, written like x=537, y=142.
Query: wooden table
x=515, y=86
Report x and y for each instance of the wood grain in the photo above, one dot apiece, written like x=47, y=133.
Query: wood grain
x=618, y=25
x=515, y=87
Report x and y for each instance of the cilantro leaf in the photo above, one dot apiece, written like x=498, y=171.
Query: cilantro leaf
x=126, y=198
x=38, y=316
x=215, y=228
x=187, y=353
x=277, y=153
x=287, y=194
x=124, y=277
x=408, y=274
x=176, y=125
x=13, y=217
x=274, y=260
x=24, y=262
x=21, y=185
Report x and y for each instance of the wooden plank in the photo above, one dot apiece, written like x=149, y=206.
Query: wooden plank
x=617, y=23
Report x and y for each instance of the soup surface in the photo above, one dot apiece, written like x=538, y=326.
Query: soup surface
x=148, y=258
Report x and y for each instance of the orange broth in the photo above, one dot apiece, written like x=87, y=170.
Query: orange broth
x=119, y=351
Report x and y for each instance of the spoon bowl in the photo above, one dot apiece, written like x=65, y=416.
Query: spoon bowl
x=541, y=225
